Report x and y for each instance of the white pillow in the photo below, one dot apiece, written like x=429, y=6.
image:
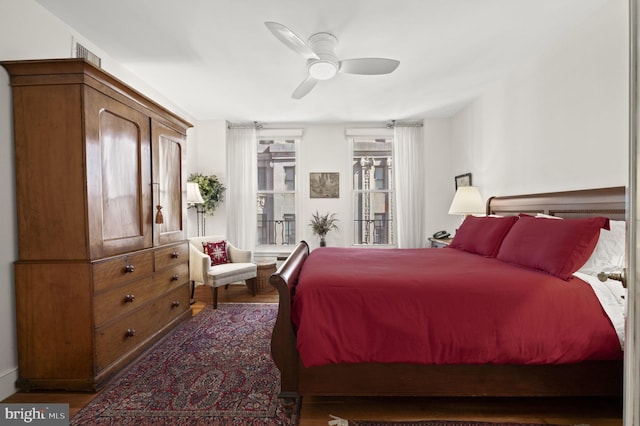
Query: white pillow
x=547, y=216
x=609, y=253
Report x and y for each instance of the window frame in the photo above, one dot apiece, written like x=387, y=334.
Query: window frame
x=354, y=137
x=277, y=136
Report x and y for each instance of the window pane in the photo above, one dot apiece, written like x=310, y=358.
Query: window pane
x=372, y=184
x=265, y=179
x=290, y=178
x=381, y=174
x=276, y=218
x=276, y=191
x=373, y=223
x=274, y=156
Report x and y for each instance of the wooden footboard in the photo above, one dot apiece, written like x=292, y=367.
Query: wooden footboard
x=283, y=340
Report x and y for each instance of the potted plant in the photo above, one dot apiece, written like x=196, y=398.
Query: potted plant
x=322, y=224
x=211, y=189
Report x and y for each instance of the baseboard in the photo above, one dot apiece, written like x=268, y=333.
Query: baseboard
x=8, y=383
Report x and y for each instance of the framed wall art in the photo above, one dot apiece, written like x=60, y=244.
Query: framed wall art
x=324, y=185
x=463, y=180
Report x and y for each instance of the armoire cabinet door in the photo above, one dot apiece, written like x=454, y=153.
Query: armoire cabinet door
x=118, y=176
x=168, y=181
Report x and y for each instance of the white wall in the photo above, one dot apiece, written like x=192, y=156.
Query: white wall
x=560, y=123
x=28, y=31
x=324, y=148
x=439, y=176
x=206, y=154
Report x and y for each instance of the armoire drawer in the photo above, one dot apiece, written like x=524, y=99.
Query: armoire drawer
x=171, y=277
x=119, y=338
x=121, y=269
x=119, y=301
x=172, y=255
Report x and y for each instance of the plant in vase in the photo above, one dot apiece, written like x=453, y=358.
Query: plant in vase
x=322, y=224
x=211, y=189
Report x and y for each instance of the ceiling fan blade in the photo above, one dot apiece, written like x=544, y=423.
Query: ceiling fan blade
x=291, y=40
x=369, y=66
x=304, y=88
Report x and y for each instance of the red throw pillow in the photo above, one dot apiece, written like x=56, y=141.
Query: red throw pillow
x=482, y=235
x=217, y=252
x=558, y=247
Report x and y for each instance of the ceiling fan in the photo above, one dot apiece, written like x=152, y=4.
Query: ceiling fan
x=322, y=62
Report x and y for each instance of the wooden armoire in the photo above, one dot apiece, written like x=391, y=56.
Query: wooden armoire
x=103, y=266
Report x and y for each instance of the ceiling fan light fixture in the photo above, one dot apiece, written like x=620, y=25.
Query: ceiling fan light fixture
x=322, y=70
x=322, y=62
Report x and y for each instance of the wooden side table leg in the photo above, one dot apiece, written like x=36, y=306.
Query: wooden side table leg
x=252, y=284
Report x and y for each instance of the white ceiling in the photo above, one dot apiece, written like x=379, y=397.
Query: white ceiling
x=215, y=59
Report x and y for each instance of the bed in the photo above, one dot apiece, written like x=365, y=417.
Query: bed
x=311, y=367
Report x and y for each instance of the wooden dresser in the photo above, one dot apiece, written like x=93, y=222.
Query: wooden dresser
x=102, y=272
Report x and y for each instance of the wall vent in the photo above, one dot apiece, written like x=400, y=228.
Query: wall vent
x=89, y=56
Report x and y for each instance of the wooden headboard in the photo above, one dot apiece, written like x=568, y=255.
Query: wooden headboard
x=607, y=202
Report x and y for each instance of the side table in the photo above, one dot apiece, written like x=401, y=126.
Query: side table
x=264, y=270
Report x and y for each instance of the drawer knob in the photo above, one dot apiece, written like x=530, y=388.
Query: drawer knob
x=175, y=255
x=175, y=277
x=129, y=298
x=175, y=303
x=129, y=268
x=130, y=332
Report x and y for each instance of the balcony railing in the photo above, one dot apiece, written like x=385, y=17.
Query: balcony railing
x=276, y=232
x=373, y=231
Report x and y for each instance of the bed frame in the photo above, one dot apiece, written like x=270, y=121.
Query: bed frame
x=601, y=378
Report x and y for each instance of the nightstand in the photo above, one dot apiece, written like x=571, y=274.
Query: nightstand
x=439, y=242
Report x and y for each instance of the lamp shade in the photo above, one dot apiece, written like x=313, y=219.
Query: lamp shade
x=193, y=193
x=467, y=201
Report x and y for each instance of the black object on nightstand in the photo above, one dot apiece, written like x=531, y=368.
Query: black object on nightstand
x=439, y=242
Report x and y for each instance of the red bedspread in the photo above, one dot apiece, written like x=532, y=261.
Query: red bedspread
x=443, y=306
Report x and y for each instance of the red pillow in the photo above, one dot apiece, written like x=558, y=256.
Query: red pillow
x=559, y=247
x=217, y=252
x=482, y=235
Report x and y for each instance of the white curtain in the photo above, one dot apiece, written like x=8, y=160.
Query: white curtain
x=408, y=155
x=241, y=187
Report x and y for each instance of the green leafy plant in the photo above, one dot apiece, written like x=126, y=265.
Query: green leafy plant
x=321, y=224
x=211, y=189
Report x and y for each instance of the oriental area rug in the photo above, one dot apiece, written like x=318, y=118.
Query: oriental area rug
x=215, y=369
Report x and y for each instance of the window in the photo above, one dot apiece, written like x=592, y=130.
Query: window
x=276, y=191
x=290, y=178
x=373, y=190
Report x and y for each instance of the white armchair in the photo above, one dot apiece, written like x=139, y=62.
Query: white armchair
x=201, y=272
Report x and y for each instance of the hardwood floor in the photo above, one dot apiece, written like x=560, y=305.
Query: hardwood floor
x=316, y=410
